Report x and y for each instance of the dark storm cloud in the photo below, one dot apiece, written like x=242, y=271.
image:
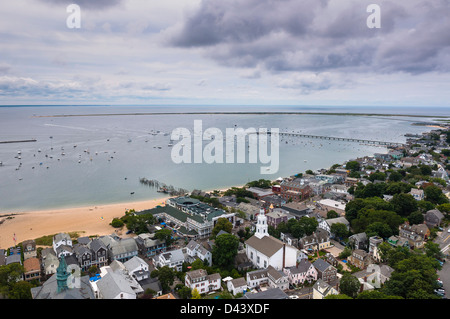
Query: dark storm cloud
x=307, y=35
x=86, y=4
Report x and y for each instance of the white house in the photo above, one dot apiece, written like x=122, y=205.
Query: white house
x=137, y=268
x=172, y=259
x=326, y=223
x=269, y=276
x=264, y=250
x=418, y=194
x=61, y=239
x=116, y=283
x=238, y=285
x=196, y=250
x=321, y=289
x=200, y=280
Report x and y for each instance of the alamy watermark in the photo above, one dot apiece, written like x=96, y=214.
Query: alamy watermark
x=73, y=21
x=241, y=146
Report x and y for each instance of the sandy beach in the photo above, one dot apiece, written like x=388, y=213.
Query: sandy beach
x=89, y=220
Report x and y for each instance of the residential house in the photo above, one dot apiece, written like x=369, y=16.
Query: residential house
x=270, y=293
x=153, y=284
x=172, y=259
x=375, y=275
x=29, y=249
x=277, y=216
x=267, y=277
x=99, y=253
x=359, y=258
x=415, y=234
x=322, y=289
x=200, y=280
x=32, y=269
x=65, y=250
x=83, y=255
x=327, y=223
x=195, y=250
x=332, y=260
x=433, y=218
x=418, y=194
x=137, y=268
x=303, y=271
x=358, y=241
x=374, y=252
x=325, y=271
x=317, y=241
x=61, y=239
x=289, y=239
x=236, y=286
x=118, y=280
x=121, y=249
x=113, y=286
x=50, y=262
x=149, y=246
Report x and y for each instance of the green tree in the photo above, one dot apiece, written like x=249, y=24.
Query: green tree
x=353, y=166
x=433, y=250
x=117, y=223
x=196, y=294
x=375, y=294
x=404, y=204
x=434, y=195
x=332, y=214
x=221, y=224
x=165, y=235
x=377, y=176
x=20, y=290
x=378, y=229
x=225, y=250
x=339, y=230
x=9, y=276
x=166, y=276
x=349, y=285
x=416, y=218
x=184, y=292
x=395, y=176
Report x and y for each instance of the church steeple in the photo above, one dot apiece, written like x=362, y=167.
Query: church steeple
x=62, y=275
x=261, y=225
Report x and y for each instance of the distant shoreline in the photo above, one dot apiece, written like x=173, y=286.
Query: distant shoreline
x=242, y=113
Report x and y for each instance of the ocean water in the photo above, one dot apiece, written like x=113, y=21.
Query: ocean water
x=104, y=156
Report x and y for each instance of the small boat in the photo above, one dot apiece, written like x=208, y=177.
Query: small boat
x=132, y=193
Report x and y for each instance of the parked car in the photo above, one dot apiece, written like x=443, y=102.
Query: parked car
x=439, y=291
x=293, y=297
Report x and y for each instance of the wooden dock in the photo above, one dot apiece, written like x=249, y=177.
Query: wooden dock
x=18, y=141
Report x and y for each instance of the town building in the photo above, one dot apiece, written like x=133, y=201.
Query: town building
x=264, y=250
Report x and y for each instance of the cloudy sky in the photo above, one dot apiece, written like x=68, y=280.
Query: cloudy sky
x=283, y=52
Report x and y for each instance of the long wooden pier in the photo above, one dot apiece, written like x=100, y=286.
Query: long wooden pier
x=344, y=139
x=19, y=141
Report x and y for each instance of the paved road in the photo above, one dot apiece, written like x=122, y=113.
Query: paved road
x=444, y=275
x=304, y=293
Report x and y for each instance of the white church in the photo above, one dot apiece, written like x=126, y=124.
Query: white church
x=264, y=250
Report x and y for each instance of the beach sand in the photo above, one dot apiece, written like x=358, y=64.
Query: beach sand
x=90, y=220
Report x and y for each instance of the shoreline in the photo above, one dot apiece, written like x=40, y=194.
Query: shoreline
x=88, y=220
x=244, y=113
